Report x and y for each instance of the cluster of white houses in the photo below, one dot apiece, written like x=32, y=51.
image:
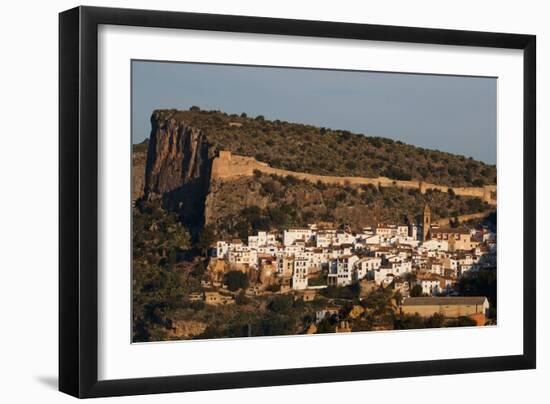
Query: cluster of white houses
x=384, y=254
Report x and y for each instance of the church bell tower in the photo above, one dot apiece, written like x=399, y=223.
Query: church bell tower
x=426, y=222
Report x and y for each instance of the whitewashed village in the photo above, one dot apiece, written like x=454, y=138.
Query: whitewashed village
x=420, y=264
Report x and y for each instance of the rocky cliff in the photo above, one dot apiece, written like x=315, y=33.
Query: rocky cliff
x=189, y=167
x=178, y=167
x=177, y=155
x=139, y=158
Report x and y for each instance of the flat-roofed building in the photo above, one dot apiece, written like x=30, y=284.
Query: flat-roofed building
x=451, y=306
x=457, y=239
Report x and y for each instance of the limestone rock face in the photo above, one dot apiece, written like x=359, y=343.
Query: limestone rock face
x=226, y=199
x=312, y=329
x=356, y=311
x=178, y=168
x=177, y=155
x=187, y=329
x=216, y=270
x=267, y=275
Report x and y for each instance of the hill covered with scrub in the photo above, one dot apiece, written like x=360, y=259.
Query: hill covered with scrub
x=324, y=151
x=177, y=163
x=242, y=207
x=180, y=208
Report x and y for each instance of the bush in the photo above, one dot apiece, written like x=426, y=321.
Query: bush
x=478, y=182
x=435, y=321
x=273, y=288
x=241, y=299
x=280, y=304
x=462, y=321
x=235, y=280
x=416, y=291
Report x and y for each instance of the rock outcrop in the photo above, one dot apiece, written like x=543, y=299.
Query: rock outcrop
x=187, y=328
x=187, y=168
x=178, y=167
x=139, y=159
x=177, y=156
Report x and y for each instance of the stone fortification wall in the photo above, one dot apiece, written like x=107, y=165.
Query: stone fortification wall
x=462, y=218
x=228, y=166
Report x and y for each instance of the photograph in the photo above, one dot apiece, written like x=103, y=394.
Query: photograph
x=271, y=201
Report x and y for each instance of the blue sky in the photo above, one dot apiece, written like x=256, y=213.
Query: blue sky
x=450, y=113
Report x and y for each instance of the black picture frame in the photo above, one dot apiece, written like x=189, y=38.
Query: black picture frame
x=78, y=201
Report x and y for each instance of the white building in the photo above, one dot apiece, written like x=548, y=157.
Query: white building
x=431, y=284
x=402, y=230
x=290, y=236
x=436, y=245
x=415, y=232
x=344, y=238
x=365, y=267
x=372, y=240
x=299, y=276
x=343, y=267
x=222, y=249
x=325, y=238
x=262, y=239
x=381, y=273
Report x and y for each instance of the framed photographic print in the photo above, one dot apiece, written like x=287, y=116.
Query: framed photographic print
x=251, y=201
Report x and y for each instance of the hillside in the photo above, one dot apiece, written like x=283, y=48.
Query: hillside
x=139, y=158
x=189, y=191
x=239, y=208
x=305, y=148
x=180, y=165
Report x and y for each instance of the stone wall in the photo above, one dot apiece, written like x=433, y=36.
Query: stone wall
x=446, y=310
x=462, y=218
x=228, y=167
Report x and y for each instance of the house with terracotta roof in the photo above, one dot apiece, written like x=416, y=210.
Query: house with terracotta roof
x=457, y=238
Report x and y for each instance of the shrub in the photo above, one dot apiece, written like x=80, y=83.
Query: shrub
x=235, y=280
x=280, y=304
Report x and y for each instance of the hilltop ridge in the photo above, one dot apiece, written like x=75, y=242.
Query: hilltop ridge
x=204, y=166
x=323, y=151
x=228, y=167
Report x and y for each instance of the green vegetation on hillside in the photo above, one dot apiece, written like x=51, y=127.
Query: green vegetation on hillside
x=141, y=147
x=272, y=202
x=306, y=148
x=161, y=279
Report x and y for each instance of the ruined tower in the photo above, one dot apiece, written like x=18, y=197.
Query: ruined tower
x=426, y=222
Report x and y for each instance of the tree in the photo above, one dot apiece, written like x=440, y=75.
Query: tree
x=235, y=280
x=281, y=304
x=325, y=326
x=410, y=277
x=435, y=321
x=409, y=321
x=454, y=222
x=481, y=283
x=241, y=298
x=398, y=297
x=206, y=238
x=478, y=182
x=462, y=321
x=416, y=291
x=181, y=238
x=378, y=301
